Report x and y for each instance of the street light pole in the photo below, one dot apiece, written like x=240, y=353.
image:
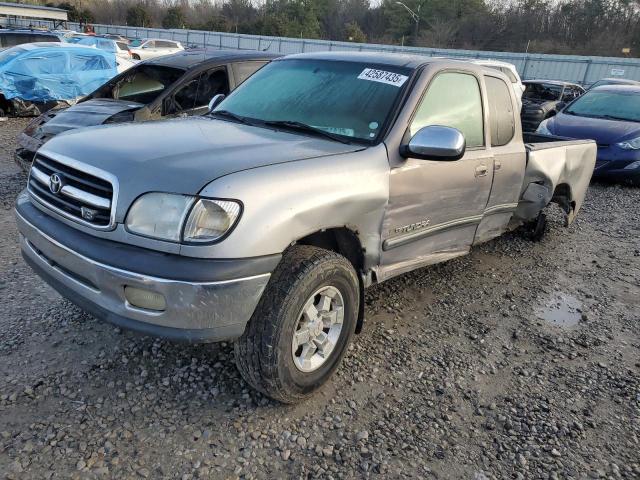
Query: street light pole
x=416, y=18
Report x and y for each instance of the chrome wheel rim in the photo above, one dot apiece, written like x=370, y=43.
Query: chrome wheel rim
x=318, y=329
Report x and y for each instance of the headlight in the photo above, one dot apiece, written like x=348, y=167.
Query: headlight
x=633, y=144
x=543, y=129
x=633, y=166
x=159, y=215
x=165, y=215
x=210, y=220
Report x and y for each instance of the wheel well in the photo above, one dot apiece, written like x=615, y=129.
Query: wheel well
x=563, y=197
x=345, y=242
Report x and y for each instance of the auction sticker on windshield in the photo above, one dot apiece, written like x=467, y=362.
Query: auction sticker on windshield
x=390, y=78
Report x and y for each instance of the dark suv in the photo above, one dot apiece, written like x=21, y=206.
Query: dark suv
x=11, y=38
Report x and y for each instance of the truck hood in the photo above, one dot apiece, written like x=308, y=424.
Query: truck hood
x=183, y=155
x=602, y=130
x=86, y=114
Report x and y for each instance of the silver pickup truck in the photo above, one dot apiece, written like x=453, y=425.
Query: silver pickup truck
x=264, y=221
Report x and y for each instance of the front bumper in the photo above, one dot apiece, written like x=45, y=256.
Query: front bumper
x=196, y=311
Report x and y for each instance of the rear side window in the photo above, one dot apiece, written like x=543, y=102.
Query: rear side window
x=501, y=117
x=243, y=70
x=453, y=100
x=165, y=44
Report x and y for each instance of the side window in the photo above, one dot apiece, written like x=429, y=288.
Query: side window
x=212, y=82
x=150, y=44
x=183, y=99
x=164, y=44
x=501, y=119
x=243, y=70
x=453, y=100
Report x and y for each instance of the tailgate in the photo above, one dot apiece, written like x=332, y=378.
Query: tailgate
x=558, y=171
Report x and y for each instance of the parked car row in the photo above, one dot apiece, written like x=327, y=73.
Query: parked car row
x=23, y=93
x=168, y=86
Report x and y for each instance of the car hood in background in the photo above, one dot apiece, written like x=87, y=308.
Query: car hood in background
x=602, y=130
x=86, y=114
x=184, y=155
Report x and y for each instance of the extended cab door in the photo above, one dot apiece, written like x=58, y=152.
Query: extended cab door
x=435, y=206
x=509, y=159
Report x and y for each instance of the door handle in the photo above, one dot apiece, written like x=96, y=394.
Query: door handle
x=497, y=165
x=481, y=170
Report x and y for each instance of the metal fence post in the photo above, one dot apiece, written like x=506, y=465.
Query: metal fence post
x=524, y=68
x=586, y=72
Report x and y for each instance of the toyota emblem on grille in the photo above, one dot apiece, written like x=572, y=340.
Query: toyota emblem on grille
x=55, y=183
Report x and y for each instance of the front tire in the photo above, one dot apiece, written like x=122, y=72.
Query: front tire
x=302, y=325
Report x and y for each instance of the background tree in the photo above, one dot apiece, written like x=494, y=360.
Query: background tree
x=174, y=18
x=138, y=16
x=582, y=27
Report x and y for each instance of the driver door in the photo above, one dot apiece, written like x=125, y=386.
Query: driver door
x=435, y=206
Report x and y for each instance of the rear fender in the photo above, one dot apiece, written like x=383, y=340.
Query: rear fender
x=556, y=172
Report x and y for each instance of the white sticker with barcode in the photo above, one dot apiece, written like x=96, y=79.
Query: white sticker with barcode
x=390, y=78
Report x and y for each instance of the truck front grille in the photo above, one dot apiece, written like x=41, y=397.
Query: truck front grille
x=71, y=192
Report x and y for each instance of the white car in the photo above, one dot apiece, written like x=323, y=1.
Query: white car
x=510, y=71
x=120, y=49
x=124, y=64
x=143, y=49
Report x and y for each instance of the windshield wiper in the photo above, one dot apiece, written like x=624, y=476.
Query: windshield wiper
x=232, y=116
x=303, y=127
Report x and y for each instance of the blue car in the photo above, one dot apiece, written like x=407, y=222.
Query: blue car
x=35, y=77
x=610, y=115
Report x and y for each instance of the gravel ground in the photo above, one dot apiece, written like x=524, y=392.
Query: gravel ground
x=521, y=360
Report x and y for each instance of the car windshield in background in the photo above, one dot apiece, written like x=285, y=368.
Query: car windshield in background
x=610, y=105
x=348, y=99
x=142, y=84
x=544, y=91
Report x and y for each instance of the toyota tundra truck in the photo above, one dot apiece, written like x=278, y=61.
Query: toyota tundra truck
x=263, y=222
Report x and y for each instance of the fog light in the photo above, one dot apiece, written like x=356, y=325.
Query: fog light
x=147, y=299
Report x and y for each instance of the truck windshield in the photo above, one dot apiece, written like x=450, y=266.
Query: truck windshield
x=352, y=100
x=610, y=105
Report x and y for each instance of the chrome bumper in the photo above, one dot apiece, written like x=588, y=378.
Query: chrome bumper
x=195, y=311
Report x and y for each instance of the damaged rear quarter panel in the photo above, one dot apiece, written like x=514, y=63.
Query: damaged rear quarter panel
x=562, y=169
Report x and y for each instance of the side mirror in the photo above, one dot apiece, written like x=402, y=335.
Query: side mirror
x=435, y=142
x=215, y=101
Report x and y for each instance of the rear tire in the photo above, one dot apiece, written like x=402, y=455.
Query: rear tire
x=536, y=229
x=276, y=355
